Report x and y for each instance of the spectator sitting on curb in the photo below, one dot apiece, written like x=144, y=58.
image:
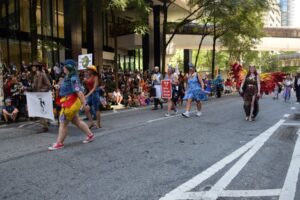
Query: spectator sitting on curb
x=9, y=111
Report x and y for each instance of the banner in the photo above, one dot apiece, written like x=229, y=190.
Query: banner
x=84, y=61
x=166, y=89
x=40, y=104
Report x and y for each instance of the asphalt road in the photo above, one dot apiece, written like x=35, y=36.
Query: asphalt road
x=141, y=155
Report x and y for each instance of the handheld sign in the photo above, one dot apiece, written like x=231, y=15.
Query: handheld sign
x=84, y=61
x=166, y=88
x=40, y=104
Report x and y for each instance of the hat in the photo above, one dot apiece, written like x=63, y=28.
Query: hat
x=70, y=64
x=93, y=68
x=7, y=100
x=191, y=66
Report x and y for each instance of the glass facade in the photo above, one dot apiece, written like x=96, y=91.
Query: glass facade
x=16, y=26
x=17, y=36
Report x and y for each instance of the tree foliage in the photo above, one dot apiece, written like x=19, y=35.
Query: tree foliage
x=139, y=23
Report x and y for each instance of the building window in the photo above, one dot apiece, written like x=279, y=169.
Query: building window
x=2, y=15
x=3, y=51
x=14, y=52
x=25, y=16
x=61, y=19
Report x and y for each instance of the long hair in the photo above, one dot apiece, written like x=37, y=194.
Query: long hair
x=249, y=72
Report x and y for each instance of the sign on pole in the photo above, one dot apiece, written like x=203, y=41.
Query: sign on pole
x=40, y=104
x=84, y=61
x=166, y=88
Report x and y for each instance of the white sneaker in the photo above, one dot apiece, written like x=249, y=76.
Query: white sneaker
x=198, y=114
x=186, y=114
x=167, y=115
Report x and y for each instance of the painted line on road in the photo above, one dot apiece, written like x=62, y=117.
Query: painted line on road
x=164, y=118
x=291, y=124
x=233, y=193
x=251, y=193
x=293, y=108
x=220, y=186
x=286, y=115
x=290, y=183
x=125, y=111
x=26, y=124
x=197, y=180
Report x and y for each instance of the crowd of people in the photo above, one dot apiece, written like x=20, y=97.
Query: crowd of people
x=91, y=90
x=134, y=88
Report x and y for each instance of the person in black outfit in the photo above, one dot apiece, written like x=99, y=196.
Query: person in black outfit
x=297, y=86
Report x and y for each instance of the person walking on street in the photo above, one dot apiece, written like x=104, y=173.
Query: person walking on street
x=297, y=86
x=250, y=88
x=172, y=102
x=195, y=92
x=93, y=98
x=41, y=83
x=72, y=98
x=156, y=85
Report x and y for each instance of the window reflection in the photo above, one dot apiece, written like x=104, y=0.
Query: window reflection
x=2, y=15
x=25, y=16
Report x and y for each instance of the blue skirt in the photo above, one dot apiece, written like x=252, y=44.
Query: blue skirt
x=196, y=95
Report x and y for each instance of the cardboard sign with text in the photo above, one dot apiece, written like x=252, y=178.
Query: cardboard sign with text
x=166, y=89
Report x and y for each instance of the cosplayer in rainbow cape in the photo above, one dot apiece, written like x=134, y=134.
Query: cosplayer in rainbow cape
x=268, y=80
x=71, y=100
x=252, y=85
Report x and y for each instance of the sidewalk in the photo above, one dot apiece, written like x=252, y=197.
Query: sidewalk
x=116, y=109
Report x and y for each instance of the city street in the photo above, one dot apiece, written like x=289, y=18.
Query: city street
x=141, y=155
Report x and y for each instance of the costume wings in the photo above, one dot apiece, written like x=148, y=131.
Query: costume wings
x=268, y=81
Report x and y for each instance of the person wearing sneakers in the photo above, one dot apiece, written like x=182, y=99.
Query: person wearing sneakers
x=172, y=102
x=71, y=100
x=156, y=84
x=93, y=98
x=195, y=92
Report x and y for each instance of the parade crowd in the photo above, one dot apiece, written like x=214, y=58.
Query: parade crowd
x=91, y=90
x=135, y=88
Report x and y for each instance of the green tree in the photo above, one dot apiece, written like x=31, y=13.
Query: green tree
x=138, y=24
x=232, y=20
x=197, y=11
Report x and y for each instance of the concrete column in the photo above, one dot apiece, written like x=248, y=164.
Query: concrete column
x=73, y=28
x=95, y=30
x=157, y=32
x=146, y=55
x=187, y=58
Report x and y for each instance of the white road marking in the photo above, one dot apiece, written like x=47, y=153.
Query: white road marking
x=233, y=193
x=220, y=186
x=290, y=183
x=197, y=180
x=293, y=108
x=251, y=193
x=26, y=124
x=163, y=118
x=291, y=124
x=286, y=115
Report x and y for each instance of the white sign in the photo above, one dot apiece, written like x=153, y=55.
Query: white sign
x=84, y=61
x=40, y=104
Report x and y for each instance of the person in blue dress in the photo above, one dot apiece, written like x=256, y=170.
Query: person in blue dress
x=195, y=92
